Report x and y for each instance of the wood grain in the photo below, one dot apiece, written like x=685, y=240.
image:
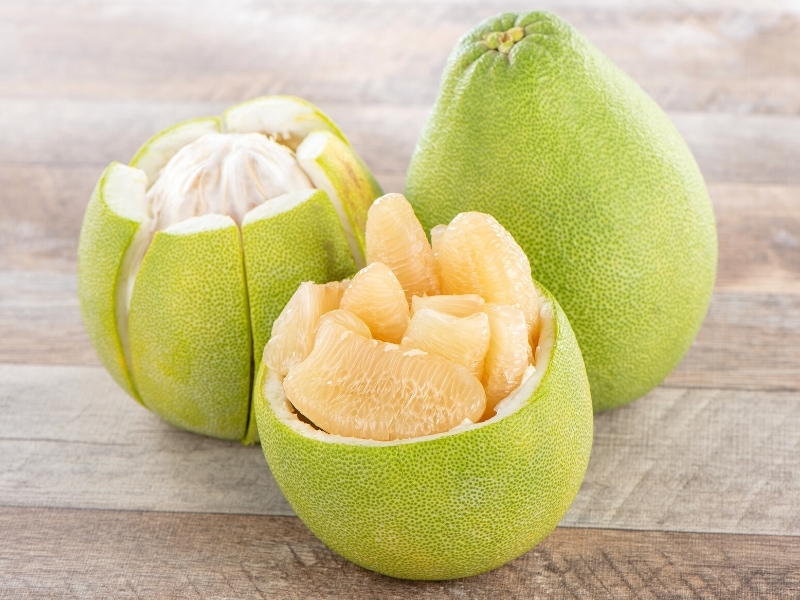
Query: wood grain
x=717, y=58
x=101, y=554
x=676, y=460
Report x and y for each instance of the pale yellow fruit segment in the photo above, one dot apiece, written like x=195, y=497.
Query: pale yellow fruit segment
x=395, y=238
x=462, y=340
x=347, y=320
x=357, y=387
x=476, y=255
x=458, y=305
x=509, y=353
x=377, y=298
x=294, y=330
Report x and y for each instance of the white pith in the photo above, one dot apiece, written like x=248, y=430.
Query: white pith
x=220, y=180
x=280, y=405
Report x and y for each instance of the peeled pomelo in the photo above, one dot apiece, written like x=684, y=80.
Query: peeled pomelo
x=536, y=127
x=388, y=452
x=187, y=256
x=446, y=505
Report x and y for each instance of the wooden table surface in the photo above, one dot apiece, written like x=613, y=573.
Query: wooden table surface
x=692, y=491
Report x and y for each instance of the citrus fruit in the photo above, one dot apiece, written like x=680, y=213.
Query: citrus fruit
x=463, y=340
x=389, y=452
x=395, y=238
x=458, y=305
x=376, y=296
x=188, y=255
x=535, y=126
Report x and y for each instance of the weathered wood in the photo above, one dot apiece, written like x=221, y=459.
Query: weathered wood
x=100, y=554
x=710, y=59
x=676, y=460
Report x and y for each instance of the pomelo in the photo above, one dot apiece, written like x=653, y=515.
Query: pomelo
x=188, y=255
x=389, y=452
x=535, y=126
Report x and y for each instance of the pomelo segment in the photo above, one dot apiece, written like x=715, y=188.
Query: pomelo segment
x=395, y=238
x=354, y=386
x=347, y=320
x=376, y=297
x=159, y=149
x=189, y=325
x=508, y=355
x=462, y=340
x=448, y=505
x=458, y=305
x=115, y=213
x=590, y=177
x=294, y=331
x=476, y=255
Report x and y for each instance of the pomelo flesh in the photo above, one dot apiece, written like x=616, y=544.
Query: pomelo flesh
x=537, y=127
x=257, y=178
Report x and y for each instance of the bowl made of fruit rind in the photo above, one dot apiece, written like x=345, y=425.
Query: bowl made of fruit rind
x=448, y=505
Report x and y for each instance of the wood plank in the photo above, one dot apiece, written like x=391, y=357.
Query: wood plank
x=716, y=57
x=677, y=460
x=102, y=554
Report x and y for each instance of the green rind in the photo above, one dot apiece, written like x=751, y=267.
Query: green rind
x=160, y=148
x=591, y=178
x=105, y=236
x=347, y=177
x=313, y=120
x=306, y=243
x=449, y=507
x=190, y=332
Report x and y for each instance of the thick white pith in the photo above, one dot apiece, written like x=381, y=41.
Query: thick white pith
x=225, y=179
x=285, y=412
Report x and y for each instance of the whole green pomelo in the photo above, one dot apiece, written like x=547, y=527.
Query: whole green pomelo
x=537, y=127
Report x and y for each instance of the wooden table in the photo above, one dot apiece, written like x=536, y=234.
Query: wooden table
x=693, y=491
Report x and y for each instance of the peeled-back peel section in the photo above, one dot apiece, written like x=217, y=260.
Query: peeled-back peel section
x=115, y=213
x=351, y=191
x=509, y=353
x=458, y=305
x=377, y=298
x=476, y=255
x=292, y=238
x=294, y=331
x=353, y=386
x=287, y=119
x=159, y=149
x=190, y=338
x=462, y=340
x=395, y=238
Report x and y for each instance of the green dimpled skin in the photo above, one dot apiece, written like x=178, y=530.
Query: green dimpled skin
x=448, y=507
x=306, y=243
x=105, y=236
x=591, y=178
x=190, y=332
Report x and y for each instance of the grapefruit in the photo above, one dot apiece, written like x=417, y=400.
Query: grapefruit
x=390, y=453
x=188, y=255
x=535, y=126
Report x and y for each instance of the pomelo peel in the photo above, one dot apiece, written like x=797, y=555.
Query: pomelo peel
x=535, y=126
x=185, y=343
